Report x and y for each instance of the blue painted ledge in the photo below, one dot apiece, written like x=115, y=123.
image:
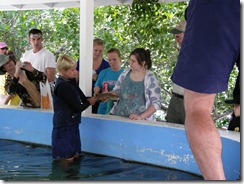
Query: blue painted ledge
x=156, y=143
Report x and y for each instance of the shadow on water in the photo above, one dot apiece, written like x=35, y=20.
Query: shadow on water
x=22, y=162
x=65, y=171
x=97, y=167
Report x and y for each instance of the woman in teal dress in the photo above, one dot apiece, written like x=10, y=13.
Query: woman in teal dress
x=138, y=88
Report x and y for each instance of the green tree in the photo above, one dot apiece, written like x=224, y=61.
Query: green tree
x=142, y=24
x=60, y=29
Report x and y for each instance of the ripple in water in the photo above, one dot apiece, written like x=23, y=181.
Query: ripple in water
x=22, y=162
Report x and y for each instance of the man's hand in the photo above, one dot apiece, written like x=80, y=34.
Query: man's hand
x=18, y=70
x=28, y=66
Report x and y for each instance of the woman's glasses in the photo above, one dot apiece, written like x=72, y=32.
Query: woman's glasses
x=4, y=48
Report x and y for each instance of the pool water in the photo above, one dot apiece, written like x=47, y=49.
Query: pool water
x=25, y=162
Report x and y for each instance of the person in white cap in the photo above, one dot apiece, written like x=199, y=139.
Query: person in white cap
x=22, y=79
x=176, y=110
x=209, y=51
x=3, y=96
x=3, y=48
x=178, y=32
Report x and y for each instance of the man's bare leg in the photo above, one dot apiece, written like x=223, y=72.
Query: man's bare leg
x=202, y=134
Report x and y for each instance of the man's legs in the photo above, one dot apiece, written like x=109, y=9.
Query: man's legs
x=202, y=134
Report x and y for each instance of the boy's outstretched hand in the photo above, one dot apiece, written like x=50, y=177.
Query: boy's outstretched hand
x=92, y=100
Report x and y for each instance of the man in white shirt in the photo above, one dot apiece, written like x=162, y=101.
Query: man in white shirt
x=40, y=58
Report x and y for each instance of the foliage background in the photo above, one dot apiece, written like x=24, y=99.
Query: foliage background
x=142, y=24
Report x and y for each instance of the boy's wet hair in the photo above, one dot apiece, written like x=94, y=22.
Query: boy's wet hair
x=65, y=62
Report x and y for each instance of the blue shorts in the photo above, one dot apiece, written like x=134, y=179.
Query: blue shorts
x=66, y=141
x=211, y=46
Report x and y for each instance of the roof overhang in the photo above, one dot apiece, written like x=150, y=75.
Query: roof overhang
x=86, y=27
x=50, y=4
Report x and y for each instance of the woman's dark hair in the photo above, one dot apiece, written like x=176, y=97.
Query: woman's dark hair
x=141, y=55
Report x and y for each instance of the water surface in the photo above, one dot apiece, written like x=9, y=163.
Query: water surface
x=24, y=162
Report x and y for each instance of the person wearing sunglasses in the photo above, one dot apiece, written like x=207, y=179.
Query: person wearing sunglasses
x=3, y=48
x=22, y=79
x=176, y=109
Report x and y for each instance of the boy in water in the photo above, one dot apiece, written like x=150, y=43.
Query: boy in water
x=68, y=102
